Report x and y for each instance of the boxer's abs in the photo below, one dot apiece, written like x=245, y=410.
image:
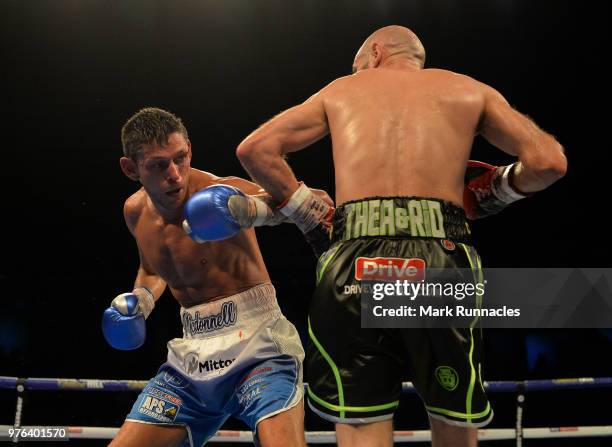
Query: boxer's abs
x=198, y=273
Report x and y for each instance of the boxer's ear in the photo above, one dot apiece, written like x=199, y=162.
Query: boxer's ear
x=375, y=55
x=129, y=168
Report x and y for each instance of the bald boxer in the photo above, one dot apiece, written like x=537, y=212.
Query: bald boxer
x=401, y=138
x=239, y=356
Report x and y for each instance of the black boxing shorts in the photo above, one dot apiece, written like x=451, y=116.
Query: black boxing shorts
x=355, y=375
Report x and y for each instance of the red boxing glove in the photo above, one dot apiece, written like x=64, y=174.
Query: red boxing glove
x=488, y=189
x=312, y=215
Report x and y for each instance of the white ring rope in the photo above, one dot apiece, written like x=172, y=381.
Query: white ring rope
x=325, y=437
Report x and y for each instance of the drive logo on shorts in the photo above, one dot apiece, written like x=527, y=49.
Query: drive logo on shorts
x=389, y=269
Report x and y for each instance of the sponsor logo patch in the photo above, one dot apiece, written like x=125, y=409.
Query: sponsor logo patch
x=447, y=377
x=389, y=269
x=157, y=408
x=163, y=395
x=448, y=245
x=214, y=365
x=175, y=380
x=192, y=364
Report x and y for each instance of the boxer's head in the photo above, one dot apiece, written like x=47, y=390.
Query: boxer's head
x=391, y=43
x=157, y=153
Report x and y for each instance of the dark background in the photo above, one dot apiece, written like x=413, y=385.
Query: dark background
x=73, y=71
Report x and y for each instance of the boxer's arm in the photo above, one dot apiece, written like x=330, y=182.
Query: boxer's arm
x=249, y=188
x=262, y=152
x=257, y=208
x=262, y=155
x=541, y=158
x=146, y=276
x=274, y=216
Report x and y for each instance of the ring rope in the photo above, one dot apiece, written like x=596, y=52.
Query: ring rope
x=518, y=433
x=501, y=386
x=324, y=437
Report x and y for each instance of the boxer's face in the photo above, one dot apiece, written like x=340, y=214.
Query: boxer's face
x=164, y=170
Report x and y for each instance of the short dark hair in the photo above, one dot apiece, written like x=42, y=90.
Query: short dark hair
x=149, y=125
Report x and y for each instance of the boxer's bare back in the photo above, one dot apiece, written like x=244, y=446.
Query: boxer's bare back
x=402, y=133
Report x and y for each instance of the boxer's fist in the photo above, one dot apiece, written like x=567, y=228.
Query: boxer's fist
x=207, y=214
x=313, y=214
x=123, y=323
x=488, y=189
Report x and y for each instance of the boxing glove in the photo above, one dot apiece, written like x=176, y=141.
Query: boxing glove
x=123, y=323
x=207, y=214
x=312, y=215
x=488, y=189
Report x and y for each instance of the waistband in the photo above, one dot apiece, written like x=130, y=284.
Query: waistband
x=400, y=217
x=233, y=313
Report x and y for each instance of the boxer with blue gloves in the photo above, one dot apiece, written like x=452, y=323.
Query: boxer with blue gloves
x=236, y=342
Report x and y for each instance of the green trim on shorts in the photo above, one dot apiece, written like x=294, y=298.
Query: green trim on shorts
x=330, y=256
x=333, y=367
x=467, y=416
x=477, y=272
x=480, y=376
x=343, y=409
x=470, y=392
x=476, y=268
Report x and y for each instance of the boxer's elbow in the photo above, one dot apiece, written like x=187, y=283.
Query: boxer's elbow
x=560, y=163
x=254, y=148
x=247, y=152
x=550, y=164
x=553, y=162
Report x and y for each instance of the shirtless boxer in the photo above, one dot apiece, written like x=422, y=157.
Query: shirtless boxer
x=239, y=356
x=401, y=139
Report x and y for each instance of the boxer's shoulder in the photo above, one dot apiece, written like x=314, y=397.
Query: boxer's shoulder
x=339, y=85
x=203, y=179
x=133, y=206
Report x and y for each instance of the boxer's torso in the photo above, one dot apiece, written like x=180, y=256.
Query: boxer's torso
x=195, y=273
x=402, y=133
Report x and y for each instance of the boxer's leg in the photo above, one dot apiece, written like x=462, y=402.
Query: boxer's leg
x=168, y=411
x=136, y=434
x=376, y=434
x=269, y=397
x=283, y=429
x=446, y=435
x=354, y=373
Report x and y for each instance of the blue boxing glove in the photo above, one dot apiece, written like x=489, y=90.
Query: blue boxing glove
x=207, y=214
x=123, y=323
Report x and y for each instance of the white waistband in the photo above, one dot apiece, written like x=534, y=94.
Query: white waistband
x=231, y=313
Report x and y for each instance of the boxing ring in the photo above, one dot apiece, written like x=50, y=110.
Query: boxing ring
x=518, y=432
